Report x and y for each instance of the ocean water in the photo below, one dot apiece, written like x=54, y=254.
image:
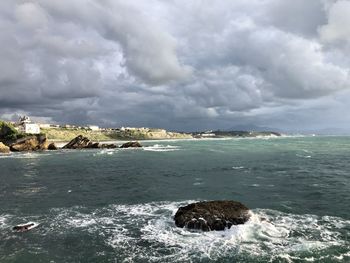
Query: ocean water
x=118, y=205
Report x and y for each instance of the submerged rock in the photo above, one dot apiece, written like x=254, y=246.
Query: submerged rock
x=30, y=143
x=211, y=215
x=52, y=147
x=4, y=148
x=131, y=145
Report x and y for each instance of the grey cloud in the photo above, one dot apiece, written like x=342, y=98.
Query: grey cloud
x=180, y=64
x=54, y=47
x=338, y=27
x=150, y=52
x=290, y=65
x=299, y=16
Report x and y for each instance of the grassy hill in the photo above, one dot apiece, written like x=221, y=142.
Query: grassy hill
x=8, y=132
x=63, y=134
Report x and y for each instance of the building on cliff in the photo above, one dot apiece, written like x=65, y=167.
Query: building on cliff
x=25, y=125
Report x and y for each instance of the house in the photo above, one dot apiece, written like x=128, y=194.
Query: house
x=93, y=127
x=25, y=125
x=31, y=128
x=44, y=125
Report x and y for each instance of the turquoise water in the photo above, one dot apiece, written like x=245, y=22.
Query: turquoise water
x=117, y=205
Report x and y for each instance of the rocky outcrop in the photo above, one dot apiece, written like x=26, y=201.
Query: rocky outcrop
x=131, y=145
x=212, y=215
x=94, y=145
x=108, y=146
x=4, y=148
x=52, y=147
x=81, y=142
x=30, y=143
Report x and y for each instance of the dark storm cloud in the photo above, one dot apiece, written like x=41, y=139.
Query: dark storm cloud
x=177, y=64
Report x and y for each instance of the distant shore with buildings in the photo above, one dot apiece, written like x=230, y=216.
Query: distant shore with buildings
x=66, y=132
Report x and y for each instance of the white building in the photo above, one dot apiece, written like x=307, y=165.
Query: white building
x=45, y=125
x=31, y=128
x=26, y=126
x=93, y=127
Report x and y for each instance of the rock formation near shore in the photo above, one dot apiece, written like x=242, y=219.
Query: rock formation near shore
x=81, y=142
x=108, y=146
x=4, y=148
x=211, y=215
x=131, y=145
x=52, y=147
x=30, y=143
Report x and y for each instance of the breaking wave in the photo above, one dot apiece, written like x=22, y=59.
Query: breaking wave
x=161, y=148
x=146, y=232
x=105, y=152
x=24, y=155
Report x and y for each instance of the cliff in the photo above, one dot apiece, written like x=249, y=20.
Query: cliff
x=105, y=135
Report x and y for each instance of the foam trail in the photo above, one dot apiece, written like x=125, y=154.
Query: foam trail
x=237, y=167
x=161, y=148
x=147, y=233
x=269, y=234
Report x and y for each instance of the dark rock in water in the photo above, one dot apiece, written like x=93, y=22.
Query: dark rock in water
x=52, y=147
x=79, y=142
x=4, y=148
x=30, y=143
x=108, y=146
x=212, y=215
x=23, y=228
x=94, y=145
x=131, y=145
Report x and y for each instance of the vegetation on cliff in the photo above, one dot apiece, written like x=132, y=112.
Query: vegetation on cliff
x=64, y=134
x=8, y=132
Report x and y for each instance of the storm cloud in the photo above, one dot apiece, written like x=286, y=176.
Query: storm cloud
x=183, y=65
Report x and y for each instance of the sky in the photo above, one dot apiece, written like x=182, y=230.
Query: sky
x=177, y=64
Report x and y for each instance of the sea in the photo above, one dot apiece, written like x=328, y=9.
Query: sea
x=117, y=205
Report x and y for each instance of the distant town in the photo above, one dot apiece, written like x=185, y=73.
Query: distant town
x=26, y=125
x=68, y=131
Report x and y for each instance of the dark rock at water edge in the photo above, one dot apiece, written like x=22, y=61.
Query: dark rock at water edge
x=78, y=142
x=212, y=215
x=108, y=146
x=81, y=142
x=94, y=145
x=30, y=143
x=131, y=145
x=4, y=148
x=52, y=147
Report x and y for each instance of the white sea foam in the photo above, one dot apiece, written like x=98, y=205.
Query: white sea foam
x=19, y=155
x=3, y=221
x=105, y=152
x=24, y=155
x=161, y=148
x=269, y=234
x=237, y=167
x=303, y=156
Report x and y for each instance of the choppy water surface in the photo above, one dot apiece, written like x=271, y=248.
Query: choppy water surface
x=117, y=205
